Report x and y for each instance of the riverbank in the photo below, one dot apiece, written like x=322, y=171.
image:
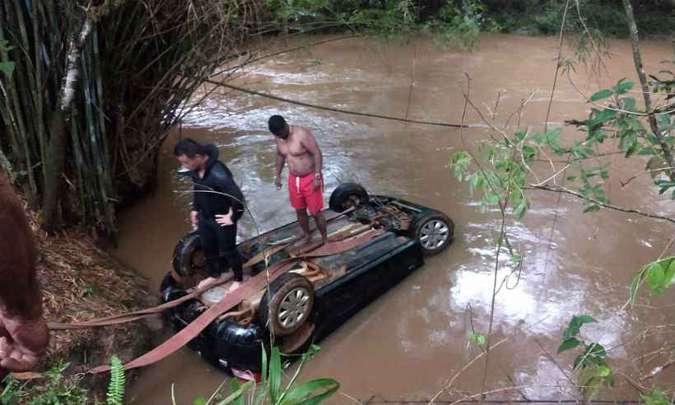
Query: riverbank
x=80, y=282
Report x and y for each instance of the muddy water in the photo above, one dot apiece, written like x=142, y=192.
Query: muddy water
x=408, y=343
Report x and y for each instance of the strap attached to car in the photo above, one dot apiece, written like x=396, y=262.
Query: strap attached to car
x=229, y=301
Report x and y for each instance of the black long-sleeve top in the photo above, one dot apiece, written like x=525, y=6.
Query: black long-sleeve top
x=217, y=179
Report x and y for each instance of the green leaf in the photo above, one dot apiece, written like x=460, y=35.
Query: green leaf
x=594, y=376
x=567, y=344
x=529, y=153
x=460, y=162
x=477, y=338
x=553, y=139
x=265, y=367
x=591, y=208
x=633, y=147
x=575, y=325
x=623, y=86
x=655, y=397
x=491, y=198
x=7, y=68
x=604, y=371
x=594, y=354
x=516, y=259
x=115, y=394
x=656, y=278
x=474, y=180
x=628, y=104
x=520, y=209
x=275, y=374
x=199, y=401
x=600, y=117
x=596, y=350
x=600, y=95
x=311, y=392
x=311, y=352
x=237, y=392
x=669, y=276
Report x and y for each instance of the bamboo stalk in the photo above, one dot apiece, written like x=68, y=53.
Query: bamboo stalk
x=110, y=126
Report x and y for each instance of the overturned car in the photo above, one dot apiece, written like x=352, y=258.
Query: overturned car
x=374, y=242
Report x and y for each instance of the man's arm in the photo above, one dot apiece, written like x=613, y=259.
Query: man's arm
x=23, y=332
x=278, y=167
x=194, y=212
x=309, y=142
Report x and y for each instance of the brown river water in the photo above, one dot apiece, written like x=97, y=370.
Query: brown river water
x=410, y=342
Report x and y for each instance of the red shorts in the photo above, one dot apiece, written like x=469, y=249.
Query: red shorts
x=303, y=195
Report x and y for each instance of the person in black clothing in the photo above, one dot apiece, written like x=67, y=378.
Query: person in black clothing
x=217, y=205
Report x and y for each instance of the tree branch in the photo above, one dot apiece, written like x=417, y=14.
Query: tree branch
x=564, y=190
x=637, y=58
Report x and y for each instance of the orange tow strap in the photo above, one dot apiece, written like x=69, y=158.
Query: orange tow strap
x=232, y=299
x=148, y=312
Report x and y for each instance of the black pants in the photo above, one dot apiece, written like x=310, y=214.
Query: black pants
x=220, y=248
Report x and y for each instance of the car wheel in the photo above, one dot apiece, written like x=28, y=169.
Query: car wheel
x=434, y=231
x=287, y=304
x=347, y=195
x=239, y=346
x=188, y=257
x=170, y=289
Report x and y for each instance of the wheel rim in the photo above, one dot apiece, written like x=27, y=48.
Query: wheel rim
x=198, y=261
x=434, y=234
x=294, y=307
x=352, y=201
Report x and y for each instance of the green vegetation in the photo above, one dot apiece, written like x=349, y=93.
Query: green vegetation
x=58, y=387
x=459, y=21
x=54, y=388
x=115, y=394
x=271, y=389
x=502, y=172
x=591, y=365
x=607, y=17
x=88, y=93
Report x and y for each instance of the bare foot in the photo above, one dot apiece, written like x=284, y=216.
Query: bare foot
x=206, y=281
x=233, y=286
x=306, y=240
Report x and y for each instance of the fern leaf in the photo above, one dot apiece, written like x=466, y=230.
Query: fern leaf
x=116, y=385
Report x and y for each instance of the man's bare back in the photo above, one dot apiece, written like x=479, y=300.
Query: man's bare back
x=298, y=150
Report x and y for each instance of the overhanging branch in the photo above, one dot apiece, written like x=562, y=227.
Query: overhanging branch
x=564, y=190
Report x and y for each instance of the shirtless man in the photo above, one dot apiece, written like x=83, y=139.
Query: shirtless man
x=297, y=146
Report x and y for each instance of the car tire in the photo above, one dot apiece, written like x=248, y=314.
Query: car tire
x=239, y=345
x=170, y=289
x=347, y=195
x=287, y=304
x=185, y=256
x=434, y=230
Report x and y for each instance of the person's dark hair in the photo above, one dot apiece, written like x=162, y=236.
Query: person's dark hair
x=277, y=124
x=188, y=147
